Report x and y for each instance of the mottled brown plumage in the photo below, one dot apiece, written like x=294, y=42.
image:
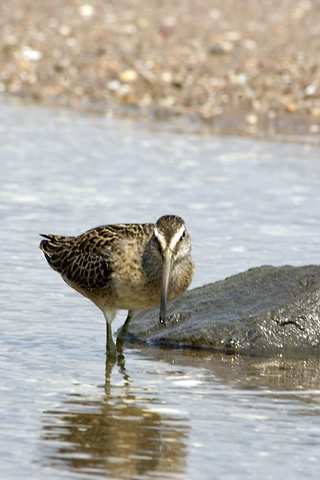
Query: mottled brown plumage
x=125, y=266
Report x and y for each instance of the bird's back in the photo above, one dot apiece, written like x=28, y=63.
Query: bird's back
x=88, y=260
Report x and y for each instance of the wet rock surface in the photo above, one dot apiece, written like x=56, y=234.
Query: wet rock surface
x=263, y=311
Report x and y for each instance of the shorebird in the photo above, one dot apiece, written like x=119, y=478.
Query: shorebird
x=125, y=266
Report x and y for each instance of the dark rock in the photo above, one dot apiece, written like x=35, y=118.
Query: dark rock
x=263, y=311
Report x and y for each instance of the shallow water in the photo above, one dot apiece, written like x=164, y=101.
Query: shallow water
x=169, y=414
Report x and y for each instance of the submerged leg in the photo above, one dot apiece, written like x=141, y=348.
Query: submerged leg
x=123, y=332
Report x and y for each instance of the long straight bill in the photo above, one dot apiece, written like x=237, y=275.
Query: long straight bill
x=167, y=263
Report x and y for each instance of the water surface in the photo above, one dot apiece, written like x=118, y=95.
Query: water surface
x=175, y=414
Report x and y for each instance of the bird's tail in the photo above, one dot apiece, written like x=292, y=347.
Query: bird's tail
x=52, y=245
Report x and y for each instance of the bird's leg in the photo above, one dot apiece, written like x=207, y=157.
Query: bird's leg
x=111, y=348
x=110, y=345
x=123, y=332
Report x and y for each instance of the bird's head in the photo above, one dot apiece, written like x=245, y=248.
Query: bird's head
x=173, y=243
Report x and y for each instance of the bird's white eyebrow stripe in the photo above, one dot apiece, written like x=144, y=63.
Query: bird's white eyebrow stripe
x=176, y=237
x=160, y=238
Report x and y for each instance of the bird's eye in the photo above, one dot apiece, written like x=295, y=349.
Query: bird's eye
x=183, y=235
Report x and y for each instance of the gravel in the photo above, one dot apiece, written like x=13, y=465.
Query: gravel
x=236, y=67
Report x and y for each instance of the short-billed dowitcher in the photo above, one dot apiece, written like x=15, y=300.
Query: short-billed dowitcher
x=125, y=266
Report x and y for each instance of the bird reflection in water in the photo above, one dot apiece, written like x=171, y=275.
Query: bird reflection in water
x=119, y=433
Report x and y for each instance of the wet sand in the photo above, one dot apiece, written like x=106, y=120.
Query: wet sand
x=231, y=67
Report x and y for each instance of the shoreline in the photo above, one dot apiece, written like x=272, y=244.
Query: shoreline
x=180, y=124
